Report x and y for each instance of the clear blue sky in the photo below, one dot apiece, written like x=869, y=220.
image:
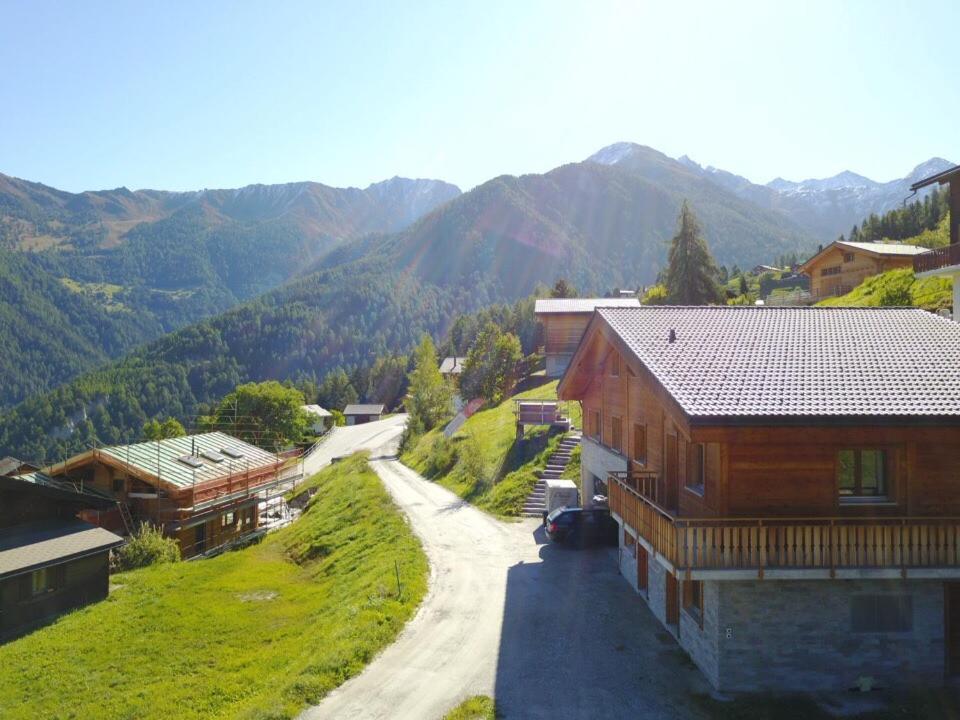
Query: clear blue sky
x=187, y=95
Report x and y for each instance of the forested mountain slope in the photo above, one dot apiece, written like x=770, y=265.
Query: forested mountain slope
x=599, y=226
x=116, y=268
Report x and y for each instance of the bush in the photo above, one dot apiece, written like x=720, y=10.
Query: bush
x=148, y=546
x=442, y=456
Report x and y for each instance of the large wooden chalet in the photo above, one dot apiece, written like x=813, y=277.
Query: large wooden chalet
x=787, y=485
x=201, y=489
x=563, y=321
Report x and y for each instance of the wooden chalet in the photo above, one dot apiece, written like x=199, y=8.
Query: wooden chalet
x=201, y=489
x=944, y=261
x=563, y=321
x=452, y=367
x=50, y=560
x=787, y=485
x=842, y=265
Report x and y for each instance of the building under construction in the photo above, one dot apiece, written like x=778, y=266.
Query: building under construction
x=204, y=490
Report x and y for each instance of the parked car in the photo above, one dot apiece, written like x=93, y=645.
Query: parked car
x=582, y=527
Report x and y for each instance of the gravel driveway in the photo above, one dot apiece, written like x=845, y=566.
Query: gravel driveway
x=550, y=632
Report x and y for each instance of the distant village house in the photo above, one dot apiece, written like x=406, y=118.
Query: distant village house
x=360, y=414
x=563, y=321
x=842, y=265
x=320, y=419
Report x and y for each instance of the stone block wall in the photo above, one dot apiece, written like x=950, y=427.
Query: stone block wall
x=703, y=643
x=798, y=635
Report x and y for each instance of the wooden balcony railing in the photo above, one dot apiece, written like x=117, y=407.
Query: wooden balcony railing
x=787, y=543
x=936, y=259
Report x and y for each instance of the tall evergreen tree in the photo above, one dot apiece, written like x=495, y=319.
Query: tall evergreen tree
x=429, y=398
x=691, y=275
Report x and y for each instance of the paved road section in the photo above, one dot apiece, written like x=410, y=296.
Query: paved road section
x=550, y=632
x=349, y=439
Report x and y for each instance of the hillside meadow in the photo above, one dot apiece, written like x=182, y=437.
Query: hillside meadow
x=252, y=634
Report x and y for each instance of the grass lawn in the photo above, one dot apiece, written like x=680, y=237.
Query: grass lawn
x=483, y=463
x=929, y=293
x=478, y=707
x=256, y=633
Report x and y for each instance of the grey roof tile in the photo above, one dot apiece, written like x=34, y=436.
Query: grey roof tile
x=804, y=362
x=363, y=410
x=546, y=306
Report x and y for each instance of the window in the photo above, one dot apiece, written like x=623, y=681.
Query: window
x=595, y=424
x=835, y=270
x=881, y=613
x=696, y=467
x=615, y=364
x=640, y=443
x=693, y=599
x=46, y=580
x=118, y=485
x=848, y=257
x=616, y=434
x=227, y=519
x=862, y=474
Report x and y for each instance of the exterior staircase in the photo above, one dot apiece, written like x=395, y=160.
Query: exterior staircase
x=536, y=501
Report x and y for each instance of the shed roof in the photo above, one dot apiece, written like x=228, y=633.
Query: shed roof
x=317, y=410
x=161, y=458
x=363, y=410
x=28, y=547
x=796, y=362
x=547, y=306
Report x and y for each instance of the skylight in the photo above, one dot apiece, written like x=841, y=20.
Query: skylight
x=232, y=453
x=191, y=461
x=213, y=456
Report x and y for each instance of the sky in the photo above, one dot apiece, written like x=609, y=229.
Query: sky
x=183, y=95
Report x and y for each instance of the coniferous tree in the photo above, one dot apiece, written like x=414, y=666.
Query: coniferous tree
x=691, y=275
x=429, y=398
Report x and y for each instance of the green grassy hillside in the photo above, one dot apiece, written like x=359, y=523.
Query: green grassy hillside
x=482, y=462
x=255, y=633
x=897, y=288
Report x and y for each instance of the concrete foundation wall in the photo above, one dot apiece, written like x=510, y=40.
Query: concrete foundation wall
x=657, y=591
x=556, y=365
x=798, y=635
x=597, y=460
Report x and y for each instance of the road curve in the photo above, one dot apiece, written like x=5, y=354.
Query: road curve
x=449, y=650
x=348, y=439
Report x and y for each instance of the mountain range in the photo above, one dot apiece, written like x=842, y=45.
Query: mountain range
x=299, y=279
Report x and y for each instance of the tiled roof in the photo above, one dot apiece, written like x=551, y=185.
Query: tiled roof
x=28, y=547
x=741, y=362
x=884, y=248
x=161, y=458
x=544, y=306
x=363, y=410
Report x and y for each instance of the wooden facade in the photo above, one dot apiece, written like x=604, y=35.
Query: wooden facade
x=756, y=498
x=840, y=267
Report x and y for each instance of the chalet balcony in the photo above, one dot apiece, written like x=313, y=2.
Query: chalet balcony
x=938, y=259
x=735, y=548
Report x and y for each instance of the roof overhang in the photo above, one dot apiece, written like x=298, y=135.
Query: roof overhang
x=940, y=178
